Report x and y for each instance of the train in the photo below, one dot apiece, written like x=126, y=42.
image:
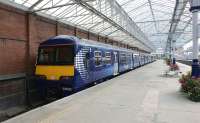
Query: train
x=66, y=64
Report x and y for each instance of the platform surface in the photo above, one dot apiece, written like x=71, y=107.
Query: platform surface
x=143, y=95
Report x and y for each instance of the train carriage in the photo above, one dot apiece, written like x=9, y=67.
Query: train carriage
x=67, y=64
x=136, y=60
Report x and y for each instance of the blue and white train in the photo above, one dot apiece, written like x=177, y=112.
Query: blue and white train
x=67, y=64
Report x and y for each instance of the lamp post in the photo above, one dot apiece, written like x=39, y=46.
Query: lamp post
x=173, y=52
x=195, y=8
x=170, y=51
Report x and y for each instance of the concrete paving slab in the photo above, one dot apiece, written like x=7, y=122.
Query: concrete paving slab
x=140, y=96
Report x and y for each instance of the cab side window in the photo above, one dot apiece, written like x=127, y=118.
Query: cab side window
x=128, y=57
x=123, y=58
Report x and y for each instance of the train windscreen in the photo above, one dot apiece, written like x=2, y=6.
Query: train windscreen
x=56, y=55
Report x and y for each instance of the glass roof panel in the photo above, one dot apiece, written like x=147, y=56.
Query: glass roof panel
x=154, y=18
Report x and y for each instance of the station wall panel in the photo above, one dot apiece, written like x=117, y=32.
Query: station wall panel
x=81, y=34
x=102, y=39
x=12, y=54
x=115, y=43
x=13, y=40
x=65, y=30
x=109, y=41
x=45, y=30
x=93, y=37
x=12, y=25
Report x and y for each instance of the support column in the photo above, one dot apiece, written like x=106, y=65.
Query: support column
x=30, y=52
x=195, y=7
x=57, y=28
x=88, y=35
x=98, y=38
x=195, y=62
x=75, y=31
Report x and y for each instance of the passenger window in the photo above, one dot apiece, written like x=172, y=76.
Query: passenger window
x=123, y=58
x=98, y=58
x=128, y=57
x=107, y=58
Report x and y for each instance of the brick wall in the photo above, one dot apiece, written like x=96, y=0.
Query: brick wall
x=12, y=24
x=12, y=55
x=65, y=29
x=102, y=39
x=81, y=33
x=13, y=39
x=93, y=37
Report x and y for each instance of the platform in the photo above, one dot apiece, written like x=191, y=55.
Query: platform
x=143, y=95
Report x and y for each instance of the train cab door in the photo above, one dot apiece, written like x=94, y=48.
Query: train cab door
x=116, y=66
x=131, y=61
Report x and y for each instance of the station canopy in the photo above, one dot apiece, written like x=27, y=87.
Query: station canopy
x=139, y=23
x=161, y=20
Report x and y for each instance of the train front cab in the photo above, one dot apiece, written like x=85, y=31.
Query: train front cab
x=55, y=68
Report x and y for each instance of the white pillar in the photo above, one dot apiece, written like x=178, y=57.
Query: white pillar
x=195, y=7
x=195, y=34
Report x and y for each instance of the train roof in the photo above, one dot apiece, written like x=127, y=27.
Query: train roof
x=61, y=39
x=66, y=39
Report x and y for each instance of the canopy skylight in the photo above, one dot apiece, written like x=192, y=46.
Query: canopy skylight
x=154, y=17
x=104, y=17
x=140, y=23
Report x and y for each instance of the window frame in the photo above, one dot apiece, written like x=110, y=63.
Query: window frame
x=108, y=58
x=55, y=48
x=123, y=58
x=99, y=58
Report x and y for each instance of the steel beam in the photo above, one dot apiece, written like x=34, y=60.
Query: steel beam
x=138, y=34
x=178, y=12
x=35, y=4
x=53, y=7
x=153, y=15
x=153, y=21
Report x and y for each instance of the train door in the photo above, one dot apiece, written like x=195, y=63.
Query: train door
x=116, y=66
x=133, y=60
x=131, y=55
